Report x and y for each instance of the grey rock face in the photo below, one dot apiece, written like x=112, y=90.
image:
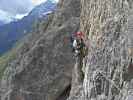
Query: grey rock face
x=43, y=67
x=108, y=73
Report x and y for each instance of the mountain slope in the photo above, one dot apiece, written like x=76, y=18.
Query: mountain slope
x=40, y=10
x=1, y=23
x=14, y=31
x=42, y=69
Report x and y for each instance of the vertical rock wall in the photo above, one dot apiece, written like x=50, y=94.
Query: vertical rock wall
x=107, y=75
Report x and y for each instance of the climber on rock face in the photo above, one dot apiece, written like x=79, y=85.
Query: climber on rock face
x=72, y=40
x=78, y=44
